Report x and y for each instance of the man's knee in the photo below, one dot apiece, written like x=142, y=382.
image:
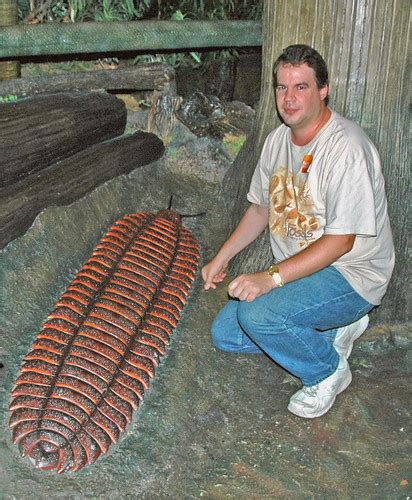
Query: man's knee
x=218, y=334
x=254, y=317
x=247, y=315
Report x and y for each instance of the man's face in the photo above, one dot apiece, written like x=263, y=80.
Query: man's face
x=299, y=101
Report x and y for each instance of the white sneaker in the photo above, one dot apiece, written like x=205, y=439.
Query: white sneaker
x=316, y=400
x=346, y=336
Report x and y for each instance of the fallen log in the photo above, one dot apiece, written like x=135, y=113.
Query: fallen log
x=42, y=130
x=139, y=77
x=71, y=178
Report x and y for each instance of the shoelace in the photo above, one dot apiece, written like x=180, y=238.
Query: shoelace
x=311, y=391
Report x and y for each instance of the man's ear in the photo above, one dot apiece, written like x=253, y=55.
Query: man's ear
x=324, y=92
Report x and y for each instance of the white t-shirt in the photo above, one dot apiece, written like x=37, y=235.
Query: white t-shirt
x=332, y=185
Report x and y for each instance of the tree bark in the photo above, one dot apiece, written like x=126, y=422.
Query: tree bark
x=138, y=77
x=8, y=17
x=70, y=179
x=37, y=132
x=365, y=43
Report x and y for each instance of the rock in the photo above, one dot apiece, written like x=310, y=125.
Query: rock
x=199, y=112
x=207, y=115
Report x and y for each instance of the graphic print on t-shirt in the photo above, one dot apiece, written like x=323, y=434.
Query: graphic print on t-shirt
x=291, y=207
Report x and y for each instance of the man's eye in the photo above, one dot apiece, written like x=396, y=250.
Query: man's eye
x=279, y=88
x=301, y=87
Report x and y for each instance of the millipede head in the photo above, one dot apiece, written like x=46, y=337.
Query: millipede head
x=170, y=215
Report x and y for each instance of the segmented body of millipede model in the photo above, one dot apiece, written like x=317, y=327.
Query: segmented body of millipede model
x=98, y=349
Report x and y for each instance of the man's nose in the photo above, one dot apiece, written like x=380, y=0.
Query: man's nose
x=289, y=94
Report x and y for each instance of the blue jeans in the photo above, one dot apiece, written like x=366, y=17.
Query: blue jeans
x=294, y=325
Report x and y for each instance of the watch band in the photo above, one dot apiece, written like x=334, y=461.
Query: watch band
x=274, y=272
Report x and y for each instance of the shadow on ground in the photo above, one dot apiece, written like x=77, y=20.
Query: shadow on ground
x=212, y=425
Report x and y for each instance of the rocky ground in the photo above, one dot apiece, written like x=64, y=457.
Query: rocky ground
x=212, y=425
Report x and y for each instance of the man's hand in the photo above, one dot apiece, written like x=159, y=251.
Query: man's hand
x=214, y=272
x=253, y=222
x=250, y=286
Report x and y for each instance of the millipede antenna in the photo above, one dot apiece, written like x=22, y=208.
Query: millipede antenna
x=170, y=202
x=184, y=215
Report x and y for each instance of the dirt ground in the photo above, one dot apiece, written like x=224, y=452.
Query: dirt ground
x=212, y=425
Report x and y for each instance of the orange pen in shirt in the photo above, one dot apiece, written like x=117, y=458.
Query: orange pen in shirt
x=307, y=160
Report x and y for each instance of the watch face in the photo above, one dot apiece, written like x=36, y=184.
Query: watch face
x=273, y=269
x=274, y=272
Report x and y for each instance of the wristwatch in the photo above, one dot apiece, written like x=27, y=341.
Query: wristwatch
x=274, y=272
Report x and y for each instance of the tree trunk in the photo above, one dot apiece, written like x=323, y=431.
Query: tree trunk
x=68, y=180
x=37, y=132
x=8, y=17
x=365, y=44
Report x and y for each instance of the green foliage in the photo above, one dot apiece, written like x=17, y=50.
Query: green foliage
x=234, y=144
x=119, y=10
x=59, y=10
x=23, y=8
x=175, y=59
x=83, y=10
x=8, y=98
x=131, y=10
x=78, y=8
x=213, y=9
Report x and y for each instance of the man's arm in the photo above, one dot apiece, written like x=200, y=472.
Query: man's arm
x=320, y=254
x=253, y=222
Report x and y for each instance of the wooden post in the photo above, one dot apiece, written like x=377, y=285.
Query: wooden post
x=9, y=70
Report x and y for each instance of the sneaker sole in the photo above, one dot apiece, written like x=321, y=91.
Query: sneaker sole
x=297, y=411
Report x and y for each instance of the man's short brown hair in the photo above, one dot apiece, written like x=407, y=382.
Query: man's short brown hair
x=304, y=54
